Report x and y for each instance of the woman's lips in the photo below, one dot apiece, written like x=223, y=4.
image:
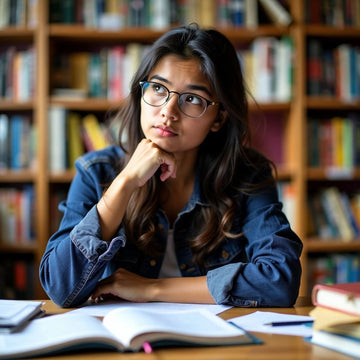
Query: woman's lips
x=165, y=131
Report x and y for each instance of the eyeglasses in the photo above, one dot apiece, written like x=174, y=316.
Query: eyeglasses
x=190, y=104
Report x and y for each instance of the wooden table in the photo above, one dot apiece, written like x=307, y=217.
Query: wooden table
x=275, y=347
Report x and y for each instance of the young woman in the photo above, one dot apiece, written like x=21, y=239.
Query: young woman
x=184, y=210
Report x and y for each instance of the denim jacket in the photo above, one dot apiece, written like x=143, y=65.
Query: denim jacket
x=259, y=268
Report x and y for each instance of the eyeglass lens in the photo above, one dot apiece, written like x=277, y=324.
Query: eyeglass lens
x=190, y=104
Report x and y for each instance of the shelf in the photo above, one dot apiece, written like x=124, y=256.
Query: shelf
x=317, y=174
x=330, y=103
x=62, y=177
x=148, y=35
x=332, y=32
x=16, y=34
x=73, y=33
x=17, y=176
x=29, y=248
x=10, y=105
x=90, y=104
x=320, y=245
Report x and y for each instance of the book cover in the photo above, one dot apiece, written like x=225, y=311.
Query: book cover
x=4, y=141
x=122, y=329
x=57, y=136
x=337, y=342
x=93, y=132
x=342, y=297
x=276, y=12
x=75, y=143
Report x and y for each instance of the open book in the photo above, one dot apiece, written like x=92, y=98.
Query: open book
x=122, y=329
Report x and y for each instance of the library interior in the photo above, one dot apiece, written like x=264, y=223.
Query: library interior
x=65, y=70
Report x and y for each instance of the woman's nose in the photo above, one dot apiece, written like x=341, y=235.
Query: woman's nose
x=171, y=108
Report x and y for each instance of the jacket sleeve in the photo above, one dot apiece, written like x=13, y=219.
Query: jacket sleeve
x=76, y=257
x=271, y=277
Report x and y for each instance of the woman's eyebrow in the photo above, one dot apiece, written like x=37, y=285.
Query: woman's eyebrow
x=190, y=86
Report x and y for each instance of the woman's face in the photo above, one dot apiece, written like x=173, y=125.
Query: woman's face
x=166, y=125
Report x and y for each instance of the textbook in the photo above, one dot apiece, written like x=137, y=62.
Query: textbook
x=15, y=313
x=341, y=297
x=122, y=329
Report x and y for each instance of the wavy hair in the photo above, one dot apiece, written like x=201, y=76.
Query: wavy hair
x=221, y=156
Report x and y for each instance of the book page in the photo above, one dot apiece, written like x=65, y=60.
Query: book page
x=103, y=308
x=54, y=333
x=126, y=324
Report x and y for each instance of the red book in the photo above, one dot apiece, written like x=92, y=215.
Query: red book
x=340, y=297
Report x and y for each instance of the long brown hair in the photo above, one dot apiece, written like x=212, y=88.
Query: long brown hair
x=223, y=154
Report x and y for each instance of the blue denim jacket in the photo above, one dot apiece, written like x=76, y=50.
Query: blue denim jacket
x=261, y=268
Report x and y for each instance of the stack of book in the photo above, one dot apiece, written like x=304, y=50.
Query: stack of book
x=337, y=317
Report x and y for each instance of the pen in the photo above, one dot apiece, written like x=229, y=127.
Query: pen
x=289, y=323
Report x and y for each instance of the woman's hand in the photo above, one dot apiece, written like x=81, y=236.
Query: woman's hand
x=132, y=287
x=125, y=285
x=146, y=160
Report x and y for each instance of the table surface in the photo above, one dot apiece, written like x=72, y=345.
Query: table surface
x=274, y=347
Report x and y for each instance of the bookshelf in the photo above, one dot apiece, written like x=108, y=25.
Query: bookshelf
x=287, y=119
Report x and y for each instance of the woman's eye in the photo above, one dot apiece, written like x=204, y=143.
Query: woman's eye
x=192, y=99
x=159, y=89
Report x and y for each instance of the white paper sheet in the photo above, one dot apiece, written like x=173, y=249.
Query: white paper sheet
x=103, y=308
x=257, y=322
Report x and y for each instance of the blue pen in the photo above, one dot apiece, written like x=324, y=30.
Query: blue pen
x=290, y=323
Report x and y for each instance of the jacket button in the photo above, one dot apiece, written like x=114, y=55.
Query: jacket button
x=152, y=262
x=183, y=266
x=225, y=254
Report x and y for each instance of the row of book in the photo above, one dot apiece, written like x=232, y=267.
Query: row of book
x=336, y=316
x=16, y=215
x=335, y=268
x=338, y=13
x=17, y=142
x=334, y=142
x=333, y=71
x=71, y=135
x=17, y=278
x=17, y=73
x=161, y=14
x=103, y=74
x=20, y=13
x=268, y=68
x=335, y=215
x=267, y=64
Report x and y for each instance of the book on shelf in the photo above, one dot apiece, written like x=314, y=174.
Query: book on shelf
x=93, y=133
x=16, y=209
x=338, y=214
x=162, y=14
x=342, y=297
x=276, y=12
x=333, y=13
x=334, y=268
x=122, y=329
x=57, y=134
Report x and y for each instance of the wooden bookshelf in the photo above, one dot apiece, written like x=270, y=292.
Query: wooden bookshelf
x=52, y=38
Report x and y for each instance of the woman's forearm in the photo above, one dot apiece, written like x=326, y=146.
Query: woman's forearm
x=182, y=290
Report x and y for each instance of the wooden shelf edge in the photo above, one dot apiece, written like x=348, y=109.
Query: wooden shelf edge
x=331, y=103
x=90, y=104
x=146, y=34
x=332, y=31
x=322, y=245
x=333, y=173
x=11, y=176
x=23, y=248
x=15, y=105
